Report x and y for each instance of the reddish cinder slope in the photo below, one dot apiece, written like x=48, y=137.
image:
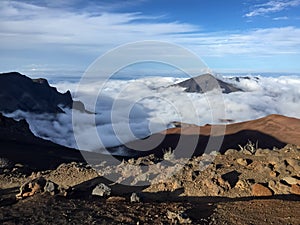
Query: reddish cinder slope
x=282, y=128
x=191, y=140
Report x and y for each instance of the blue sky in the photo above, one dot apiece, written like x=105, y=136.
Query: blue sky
x=65, y=37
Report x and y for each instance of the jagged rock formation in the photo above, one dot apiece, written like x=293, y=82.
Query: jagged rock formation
x=206, y=82
x=18, y=92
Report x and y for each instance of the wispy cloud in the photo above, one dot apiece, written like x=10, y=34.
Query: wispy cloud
x=281, y=18
x=26, y=26
x=272, y=7
x=25, y=23
x=60, y=34
x=257, y=42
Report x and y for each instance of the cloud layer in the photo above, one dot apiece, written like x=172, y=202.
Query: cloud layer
x=119, y=119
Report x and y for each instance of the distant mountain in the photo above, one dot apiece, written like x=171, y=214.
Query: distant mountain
x=239, y=79
x=19, y=92
x=206, y=82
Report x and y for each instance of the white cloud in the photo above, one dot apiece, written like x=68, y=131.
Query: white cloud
x=272, y=7
x=28, y=26
x=281, y=18
x=155, y=106
x=65, y=41
x=35, y=28
x=257, y=42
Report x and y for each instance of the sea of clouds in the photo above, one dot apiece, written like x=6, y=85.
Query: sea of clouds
x=131, y=109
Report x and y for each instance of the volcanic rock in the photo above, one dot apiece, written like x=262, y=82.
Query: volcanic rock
x=178, y=217
x=295, y=189
x=51, y=187
x=18, y=92
x=206, y=82
x=242, y=162
x=260, y=190
x=31, y=187
x=294, y=163
x=291, y=180
x=134, y=197
x=101, y=190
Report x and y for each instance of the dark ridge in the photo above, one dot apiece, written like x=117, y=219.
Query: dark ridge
x=19, y=145
x=19, y=92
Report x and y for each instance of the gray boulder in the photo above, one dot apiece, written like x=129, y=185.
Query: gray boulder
x=102, y=190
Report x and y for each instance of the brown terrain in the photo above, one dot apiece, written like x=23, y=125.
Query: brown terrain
x=245, y=185
x=241, y=173
x=191, y=140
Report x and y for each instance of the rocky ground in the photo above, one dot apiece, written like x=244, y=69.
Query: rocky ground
x=250, y=186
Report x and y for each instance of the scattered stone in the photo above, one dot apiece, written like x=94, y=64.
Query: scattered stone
x=51, y=187
x=278, y=188
x=134, y=198
x=31, y=188
x=272, y=185
x=101, y=190
x=241, y=184
x=116, y=199
x=295, y=189
x=18, y=165
x=260, y=152
x=179, y=217
x=294, y=163
x=260, y=190
x=273, y=174
x=212, y=188
x=283, y=188
x=291, y=180
x=231, y=152
x=242, y=162
x=35, y=175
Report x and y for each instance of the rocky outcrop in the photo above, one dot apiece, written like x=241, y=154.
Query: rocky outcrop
x=206, y=82
x=206, y=175
x=18, y=92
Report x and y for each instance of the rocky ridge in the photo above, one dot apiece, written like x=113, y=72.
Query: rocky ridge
x=208, y=180
x=19, y=92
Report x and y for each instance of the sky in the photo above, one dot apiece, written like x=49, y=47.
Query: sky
x=43, y=37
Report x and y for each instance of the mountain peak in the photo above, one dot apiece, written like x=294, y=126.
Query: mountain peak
x=206, y=82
